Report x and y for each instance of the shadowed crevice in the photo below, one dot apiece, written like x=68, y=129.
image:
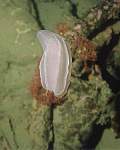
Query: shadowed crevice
x=93, y=138
x=13, y=132
x=103, y=26
x=74, y=10
x=51, y=143
x=103, y=54
x=116, y=119
x=33, y=5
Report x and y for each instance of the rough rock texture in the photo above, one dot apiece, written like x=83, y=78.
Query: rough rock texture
x=91, y=105
x=18, y=53
x=75, y=118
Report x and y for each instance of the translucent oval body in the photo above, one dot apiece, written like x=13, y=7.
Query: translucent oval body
x=55, y=63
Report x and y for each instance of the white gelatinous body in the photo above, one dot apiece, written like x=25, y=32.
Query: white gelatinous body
x=55, y=63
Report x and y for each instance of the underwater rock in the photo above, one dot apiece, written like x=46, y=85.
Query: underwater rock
x=75, y=118
x=99, y=17
x=87, y=104
x=113, y=62
x=18, y=53
x=40, y=127
x=78, y=120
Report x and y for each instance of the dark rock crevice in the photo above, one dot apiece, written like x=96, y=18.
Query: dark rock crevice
x=73, y=10
x=116, y=119
x=103, y=54
x=51, y=143
x=103, y=26
x=32, y=4
x=93, y=138
x=13, y=132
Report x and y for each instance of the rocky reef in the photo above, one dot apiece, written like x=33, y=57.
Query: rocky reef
x=92, y=102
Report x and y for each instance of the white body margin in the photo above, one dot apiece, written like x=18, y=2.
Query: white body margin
x=55, y=64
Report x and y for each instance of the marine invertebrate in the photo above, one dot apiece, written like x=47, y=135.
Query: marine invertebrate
x=54, y=66
x=55, y=62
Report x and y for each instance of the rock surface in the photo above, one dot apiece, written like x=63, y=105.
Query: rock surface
x=24, y=125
